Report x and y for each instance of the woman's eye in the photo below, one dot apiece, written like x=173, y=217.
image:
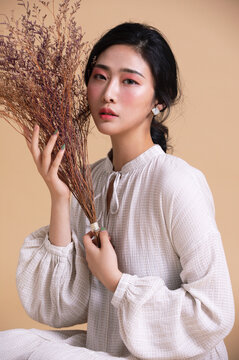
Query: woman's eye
x=99, y=76
x=130, y=81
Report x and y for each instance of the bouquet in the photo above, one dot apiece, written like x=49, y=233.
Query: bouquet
x=42, y=82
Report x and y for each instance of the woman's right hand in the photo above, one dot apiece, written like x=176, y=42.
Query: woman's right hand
x=47, y=167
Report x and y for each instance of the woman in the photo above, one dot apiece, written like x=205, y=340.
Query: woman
x=158, y=288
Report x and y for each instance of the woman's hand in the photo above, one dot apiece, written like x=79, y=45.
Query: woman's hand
x=47, y=167
x=102, y=261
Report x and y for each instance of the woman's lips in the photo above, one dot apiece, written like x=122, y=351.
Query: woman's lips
x=107, y=116
x=107, y=112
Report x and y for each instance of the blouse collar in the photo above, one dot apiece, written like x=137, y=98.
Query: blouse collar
x=136, y=164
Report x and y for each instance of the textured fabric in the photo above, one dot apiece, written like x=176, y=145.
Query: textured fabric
x=174, y=299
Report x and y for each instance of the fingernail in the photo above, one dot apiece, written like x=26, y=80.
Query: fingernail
x=63, y=147
x=55, y=132
x=102, y=229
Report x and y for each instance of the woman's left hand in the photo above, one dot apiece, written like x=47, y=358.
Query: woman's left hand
x=102, y=261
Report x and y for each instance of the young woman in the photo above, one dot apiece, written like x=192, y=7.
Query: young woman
x=158, y=288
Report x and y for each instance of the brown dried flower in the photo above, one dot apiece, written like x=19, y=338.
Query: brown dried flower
x=41, y=69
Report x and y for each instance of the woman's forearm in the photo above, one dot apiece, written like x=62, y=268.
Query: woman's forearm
x=60, y=229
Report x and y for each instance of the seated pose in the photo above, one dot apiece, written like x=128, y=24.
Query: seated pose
x=158, y=288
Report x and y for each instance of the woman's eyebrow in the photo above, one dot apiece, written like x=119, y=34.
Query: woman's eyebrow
x=105, y=67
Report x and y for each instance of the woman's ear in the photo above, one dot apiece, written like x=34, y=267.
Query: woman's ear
x=160, y=106
x=157, y=108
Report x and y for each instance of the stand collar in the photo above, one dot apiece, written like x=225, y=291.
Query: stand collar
x=136, y=164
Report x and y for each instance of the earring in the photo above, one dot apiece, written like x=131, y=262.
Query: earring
x=155, y=111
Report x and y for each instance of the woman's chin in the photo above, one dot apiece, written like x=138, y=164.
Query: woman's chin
x=106, y=129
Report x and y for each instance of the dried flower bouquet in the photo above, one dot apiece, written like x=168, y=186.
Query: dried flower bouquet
x=41, y=68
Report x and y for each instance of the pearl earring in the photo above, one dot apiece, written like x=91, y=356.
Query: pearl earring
x=155, y=111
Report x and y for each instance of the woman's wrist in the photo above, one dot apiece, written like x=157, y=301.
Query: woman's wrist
x=115, y=281
x=61, y=199
x=60, y=229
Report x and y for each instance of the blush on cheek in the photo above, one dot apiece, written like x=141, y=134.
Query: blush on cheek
x=89, y=90
x=129, y=98
x=92, y=93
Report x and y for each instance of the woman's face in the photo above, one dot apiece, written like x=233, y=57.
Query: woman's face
x=121, y=91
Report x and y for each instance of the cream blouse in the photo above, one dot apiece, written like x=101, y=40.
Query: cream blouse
x=174, y=299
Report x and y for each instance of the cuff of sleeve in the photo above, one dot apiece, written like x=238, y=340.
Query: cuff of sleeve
x=62, y=251
x=122, y=286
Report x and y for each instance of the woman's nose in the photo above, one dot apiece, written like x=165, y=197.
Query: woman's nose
x=109, y=94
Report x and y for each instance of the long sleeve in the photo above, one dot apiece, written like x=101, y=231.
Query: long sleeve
x=54, y=282
x=188, y=322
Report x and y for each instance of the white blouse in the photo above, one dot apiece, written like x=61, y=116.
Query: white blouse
x=174, y=299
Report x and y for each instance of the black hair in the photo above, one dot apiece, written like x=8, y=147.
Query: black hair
x=154, y=49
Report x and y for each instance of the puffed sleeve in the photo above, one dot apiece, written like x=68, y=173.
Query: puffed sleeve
x=188, y=322
x=53, y=282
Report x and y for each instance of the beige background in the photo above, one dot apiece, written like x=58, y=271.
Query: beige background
x=204, y=129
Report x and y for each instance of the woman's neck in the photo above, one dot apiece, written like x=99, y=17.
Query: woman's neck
x=125, y=149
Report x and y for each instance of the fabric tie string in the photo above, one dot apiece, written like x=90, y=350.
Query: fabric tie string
x=114, y=203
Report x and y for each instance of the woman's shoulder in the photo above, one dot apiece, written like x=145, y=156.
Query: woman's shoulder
x=99, y=165
x=176, y=174
x=170, y=166
x=181, y=183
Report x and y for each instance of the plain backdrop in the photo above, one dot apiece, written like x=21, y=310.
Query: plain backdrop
x=204, y=129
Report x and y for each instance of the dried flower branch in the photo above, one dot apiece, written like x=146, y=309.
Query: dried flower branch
x=41, y=69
